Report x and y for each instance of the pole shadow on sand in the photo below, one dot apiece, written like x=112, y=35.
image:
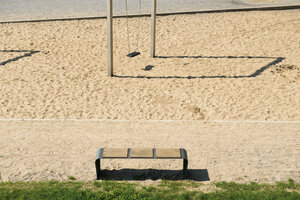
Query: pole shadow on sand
x=154, y=174
x=275, y=60
x=27, y=53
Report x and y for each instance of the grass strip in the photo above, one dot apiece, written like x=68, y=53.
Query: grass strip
x=164, y=190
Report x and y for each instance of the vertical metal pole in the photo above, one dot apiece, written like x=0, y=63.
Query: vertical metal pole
x=153, y=28
x=110, y=36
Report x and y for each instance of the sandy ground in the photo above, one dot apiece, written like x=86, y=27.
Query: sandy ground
x=233, y=66
x=225, y=66
x=228, y=151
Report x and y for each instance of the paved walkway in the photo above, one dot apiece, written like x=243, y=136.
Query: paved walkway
x=18, y=10
x=217, y=150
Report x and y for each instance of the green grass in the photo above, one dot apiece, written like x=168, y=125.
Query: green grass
x=72, y=178
x=164, y=190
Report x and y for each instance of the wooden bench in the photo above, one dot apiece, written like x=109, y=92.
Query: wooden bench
x=140, y=153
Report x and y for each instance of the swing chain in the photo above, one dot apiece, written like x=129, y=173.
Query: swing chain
x=139, y=25
x=128, y=37
x=139, y=30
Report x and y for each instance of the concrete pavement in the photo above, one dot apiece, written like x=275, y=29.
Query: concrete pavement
x=24, y=10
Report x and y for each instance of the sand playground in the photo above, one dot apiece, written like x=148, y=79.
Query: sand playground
x=224, y=86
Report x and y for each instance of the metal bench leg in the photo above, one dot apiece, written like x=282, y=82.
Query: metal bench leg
x=185, y=161
x=97, y=163
x=185, y=166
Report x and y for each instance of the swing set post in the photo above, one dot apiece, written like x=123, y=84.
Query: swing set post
x=110, y=33
x=110, y=36
x=153, y=28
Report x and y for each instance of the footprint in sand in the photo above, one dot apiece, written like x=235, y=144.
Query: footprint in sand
x=196, y=111
x=291, y=72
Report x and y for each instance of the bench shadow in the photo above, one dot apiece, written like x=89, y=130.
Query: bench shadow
x=27, y=53
x=154, y=174
x=275, y=60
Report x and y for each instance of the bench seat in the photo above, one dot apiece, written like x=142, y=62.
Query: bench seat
x=140, y=153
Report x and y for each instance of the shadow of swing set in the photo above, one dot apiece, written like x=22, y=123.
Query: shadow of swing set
x=136, y=52
x=27, y=53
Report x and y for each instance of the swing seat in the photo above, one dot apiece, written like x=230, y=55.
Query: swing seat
x=133, y=54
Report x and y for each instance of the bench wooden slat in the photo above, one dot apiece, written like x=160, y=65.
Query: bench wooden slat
x=115, y=153
x=168, y=153
x=141, y=153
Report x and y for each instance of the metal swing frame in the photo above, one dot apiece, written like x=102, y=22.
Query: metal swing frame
x=110, y=33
